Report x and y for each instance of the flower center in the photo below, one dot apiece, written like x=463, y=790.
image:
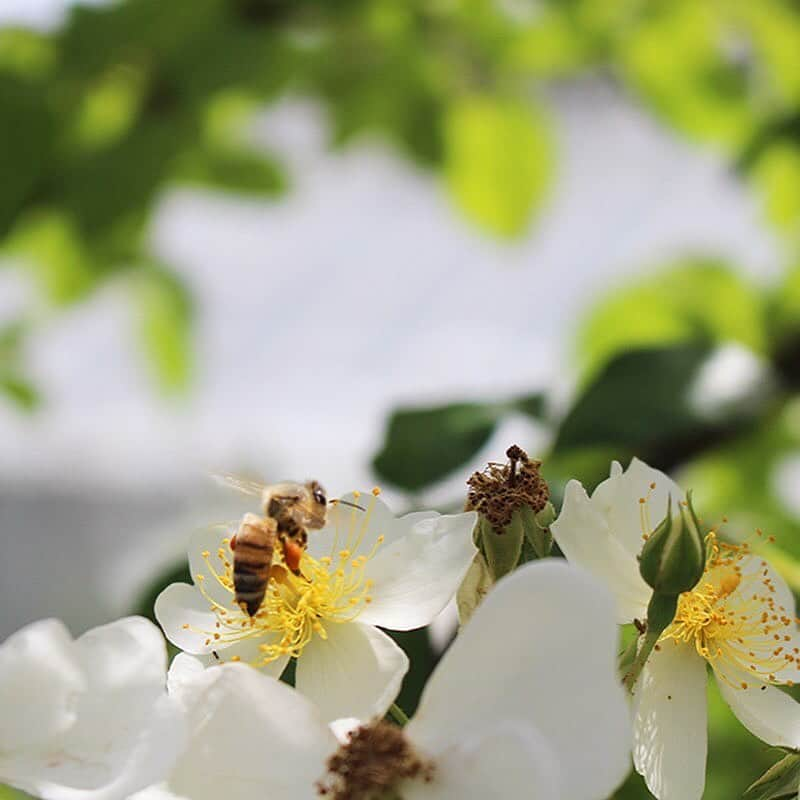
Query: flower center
x=733, y=618
x=371, y=764
x=329, y=590
x=498, y=491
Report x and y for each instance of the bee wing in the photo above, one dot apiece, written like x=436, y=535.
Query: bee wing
x=239, y=484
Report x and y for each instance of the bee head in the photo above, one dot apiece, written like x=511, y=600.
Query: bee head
x=318, y=505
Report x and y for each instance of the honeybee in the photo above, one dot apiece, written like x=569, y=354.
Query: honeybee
x=290, y=510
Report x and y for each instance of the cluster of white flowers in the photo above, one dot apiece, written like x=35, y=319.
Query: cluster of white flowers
x=526, y=702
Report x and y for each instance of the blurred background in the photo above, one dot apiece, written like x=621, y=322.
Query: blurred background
x=371, y=241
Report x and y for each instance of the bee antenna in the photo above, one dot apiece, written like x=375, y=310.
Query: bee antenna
x=348, y=503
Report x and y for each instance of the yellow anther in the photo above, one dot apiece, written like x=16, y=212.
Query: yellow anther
x=205, y=554
x=376, y=490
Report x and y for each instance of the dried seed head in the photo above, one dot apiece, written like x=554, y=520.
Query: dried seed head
x=500, y=489
x=370, y=765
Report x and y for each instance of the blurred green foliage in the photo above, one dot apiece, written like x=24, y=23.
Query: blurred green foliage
x=98, y=118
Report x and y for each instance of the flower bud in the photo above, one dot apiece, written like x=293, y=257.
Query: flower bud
x=674, y=556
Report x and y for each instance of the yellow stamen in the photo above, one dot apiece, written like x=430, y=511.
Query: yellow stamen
x=732, y=619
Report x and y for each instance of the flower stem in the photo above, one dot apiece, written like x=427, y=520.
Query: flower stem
x=660, y=613
x=398, y=715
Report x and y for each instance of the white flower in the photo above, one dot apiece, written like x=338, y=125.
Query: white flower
x=525, y=703
x=86, y=719
x=364, y=569
x=740, y=619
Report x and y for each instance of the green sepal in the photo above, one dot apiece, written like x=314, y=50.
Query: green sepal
x=780, y=781
x=674, y=555
x=537, y=529
x=477, y=582
x=626, y=657
x=502, y=549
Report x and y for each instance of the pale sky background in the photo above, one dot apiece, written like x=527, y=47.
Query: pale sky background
x=317, y=314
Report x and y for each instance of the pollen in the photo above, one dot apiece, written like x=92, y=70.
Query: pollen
x=498, y=491
x=371, y=764
x=330, y=590
x=732, y=618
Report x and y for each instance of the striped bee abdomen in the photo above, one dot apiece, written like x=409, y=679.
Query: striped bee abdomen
x=253, y=547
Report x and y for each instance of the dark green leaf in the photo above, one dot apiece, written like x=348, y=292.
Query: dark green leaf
x=780, y=781
x=26, y=140
x=641, y=402
x=244, y=172
x=532, y=405
x=423, y=445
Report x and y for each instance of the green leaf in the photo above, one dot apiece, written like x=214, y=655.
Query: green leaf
x=19, y=391
x=780, y=781
x=776, y=175
x=55, y=253
x=239, y=171
x=497, y=161
x=641, y=401
x=532, y=405
x=423, y=445
x=9, y=793
x=676, y=59
x=27, y=132
x=694, y=298
x=165, y=317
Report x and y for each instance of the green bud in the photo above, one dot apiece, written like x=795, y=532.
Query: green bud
x=674, y=555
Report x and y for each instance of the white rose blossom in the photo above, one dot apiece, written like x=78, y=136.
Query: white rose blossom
x=739, y=619
x=86, y=719
x=365, y=569
x=525, y=703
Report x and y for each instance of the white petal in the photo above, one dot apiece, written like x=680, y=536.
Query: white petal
x=768, y=713
x=127, y=732
x=540, y=649
x=417, y=575
x=617, y=499
x=670, y=738
x=511, y=761
x=128, y=655
x=584, y=537
x=184, y=672
x=356, y=672
x=182, y=605
x=251, y=736
x=158, y=791
x=40, y=678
